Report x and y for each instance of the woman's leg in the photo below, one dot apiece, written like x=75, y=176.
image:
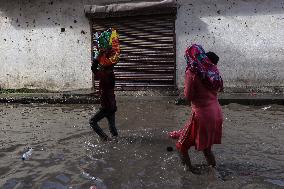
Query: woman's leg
x=209, y=156
x=183, y=145
x=111, y=123
x=185, y=159
x=94, y=123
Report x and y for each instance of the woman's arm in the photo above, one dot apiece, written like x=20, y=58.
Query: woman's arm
x=189, y=85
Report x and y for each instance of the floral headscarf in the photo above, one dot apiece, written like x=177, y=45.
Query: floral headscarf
x=199, y=63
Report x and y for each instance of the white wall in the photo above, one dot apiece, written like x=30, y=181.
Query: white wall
x=246, y=34
x=34, y=53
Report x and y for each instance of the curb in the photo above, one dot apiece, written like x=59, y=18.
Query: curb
x=244, y=99
x=49, y=99
x=61, y=98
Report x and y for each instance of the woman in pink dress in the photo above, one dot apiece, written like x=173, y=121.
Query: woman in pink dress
x=202, y=83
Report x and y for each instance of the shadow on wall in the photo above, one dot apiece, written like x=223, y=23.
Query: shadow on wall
x=194, y=11
x=29, y=14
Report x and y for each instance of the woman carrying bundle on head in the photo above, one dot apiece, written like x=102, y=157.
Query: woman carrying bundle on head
x=106, y=55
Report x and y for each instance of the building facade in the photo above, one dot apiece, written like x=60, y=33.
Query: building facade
x=48, y=44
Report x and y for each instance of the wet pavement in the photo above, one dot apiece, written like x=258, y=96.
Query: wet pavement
x=67, y=153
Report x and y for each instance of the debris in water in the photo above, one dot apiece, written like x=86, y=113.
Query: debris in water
x=170, y=149
x=265, y=108
x=98, y=183
x=63, y=178
x=88, y=176
x=277, y=182
x=27, y=154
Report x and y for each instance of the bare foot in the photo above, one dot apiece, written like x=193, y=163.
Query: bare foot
x=114, y=139
x=192, y=169
x=213, y=174
x=104, y=139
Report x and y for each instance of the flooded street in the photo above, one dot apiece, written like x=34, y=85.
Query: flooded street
x=67, y=153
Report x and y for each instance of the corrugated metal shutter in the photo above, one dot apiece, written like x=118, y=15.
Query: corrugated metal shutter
x=147, y=51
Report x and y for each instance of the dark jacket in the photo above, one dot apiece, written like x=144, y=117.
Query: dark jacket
x=106, y=87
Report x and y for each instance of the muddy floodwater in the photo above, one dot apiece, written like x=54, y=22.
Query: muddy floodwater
x=68, y=155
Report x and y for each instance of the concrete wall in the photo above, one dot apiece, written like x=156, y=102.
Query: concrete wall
x=34, y=53
x=246, y=34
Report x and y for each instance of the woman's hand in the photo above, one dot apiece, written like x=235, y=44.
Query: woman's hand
x=94, y=66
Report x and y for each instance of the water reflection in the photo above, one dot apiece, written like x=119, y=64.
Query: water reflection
x=65, y=156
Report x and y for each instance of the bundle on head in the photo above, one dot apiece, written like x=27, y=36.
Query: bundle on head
x=106, y=48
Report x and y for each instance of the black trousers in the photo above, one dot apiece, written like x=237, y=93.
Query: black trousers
x=103, y=113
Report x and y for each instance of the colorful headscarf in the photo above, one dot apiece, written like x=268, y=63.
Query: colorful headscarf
x=199, y=63
x=107, y=48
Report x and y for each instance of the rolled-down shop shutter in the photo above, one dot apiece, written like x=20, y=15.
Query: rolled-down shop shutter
x=147, y=50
